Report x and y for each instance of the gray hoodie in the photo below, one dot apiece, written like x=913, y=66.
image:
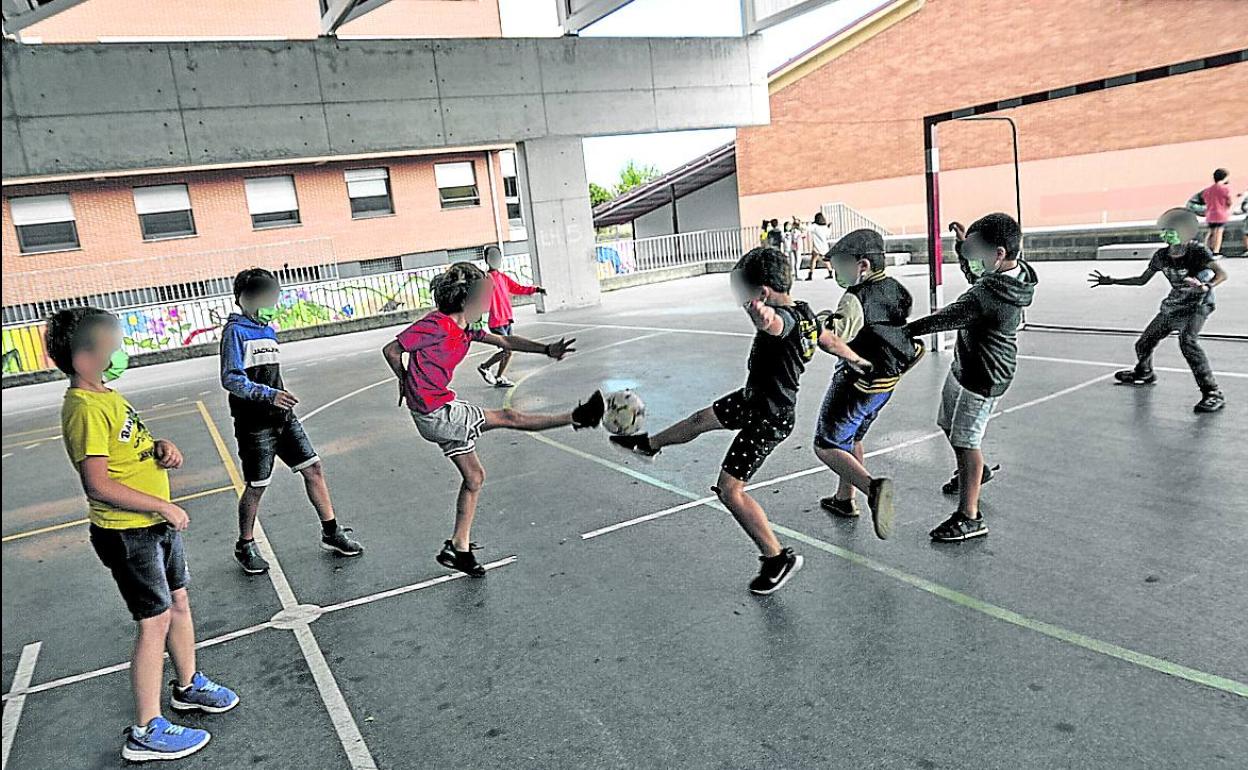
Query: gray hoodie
x=987, y=317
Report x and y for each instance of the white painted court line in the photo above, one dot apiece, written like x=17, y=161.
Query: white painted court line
x=673, y=330
x=13, y=709
x=6, y=455
x=339, y=712
x=413, y=587
x=712, y=501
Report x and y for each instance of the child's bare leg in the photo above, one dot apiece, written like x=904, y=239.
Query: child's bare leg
x=848, y=467
x=1215, y=239
x=318, y=491
x=147, y=667
x=248, y=507
x=748, y=513
x=970, y=478
x=687, y=429
x=473, y=474
x=502, y=358
x=181, y=639
x=516, y=420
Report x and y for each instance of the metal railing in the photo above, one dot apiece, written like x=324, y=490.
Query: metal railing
x=635, y=255
x=843, y=218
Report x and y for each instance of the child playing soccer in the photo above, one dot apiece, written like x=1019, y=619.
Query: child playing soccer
x=762, y=412
x=265, y=424
x=501, y=316
x=435, y=345
x=868, y=325
x=136, y=532
x=985, y=358
x=1192, y=272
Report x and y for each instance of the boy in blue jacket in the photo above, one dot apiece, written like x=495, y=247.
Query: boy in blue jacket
x=265, y=424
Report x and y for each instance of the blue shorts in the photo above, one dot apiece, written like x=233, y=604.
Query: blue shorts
x=502, y=331
x=847, y=413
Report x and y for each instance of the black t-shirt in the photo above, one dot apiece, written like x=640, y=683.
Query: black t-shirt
x=775, y=238
x=1194, y=258
x=778, y=360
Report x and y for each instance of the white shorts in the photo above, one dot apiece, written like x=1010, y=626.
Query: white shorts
x=454, y=427
x=963, y=415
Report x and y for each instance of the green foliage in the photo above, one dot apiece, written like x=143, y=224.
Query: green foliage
x=598, y=194
x=633, y=175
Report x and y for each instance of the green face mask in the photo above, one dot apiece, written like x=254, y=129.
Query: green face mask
x=846, y=275
x=117, y=365
x=266, y=314
x=1171, y=237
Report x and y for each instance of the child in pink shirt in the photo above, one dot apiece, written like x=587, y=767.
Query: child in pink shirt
x=1217, y=208
x=435, y=345
x=501, y=315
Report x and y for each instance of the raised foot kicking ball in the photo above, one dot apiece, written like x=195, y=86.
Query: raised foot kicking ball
x=626, y=413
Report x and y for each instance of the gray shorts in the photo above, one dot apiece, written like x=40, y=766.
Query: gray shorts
x=963, y=415
x=454, y=427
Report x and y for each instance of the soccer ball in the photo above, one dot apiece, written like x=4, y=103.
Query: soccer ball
x=626, y=413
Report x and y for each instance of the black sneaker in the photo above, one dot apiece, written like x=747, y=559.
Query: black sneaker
x=638, y=443
x=958, y=527
x=589, y=414
x=1132, y=377
x=846, y=509
x=952, y=486
x=341, y=543
x=775, y=572
x=248, y=556
x=463, y=561
x=1210, y=402
x=880, y=501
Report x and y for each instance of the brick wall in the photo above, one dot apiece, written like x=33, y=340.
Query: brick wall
x=108, y=227
x=90, y=21
x=859, y=117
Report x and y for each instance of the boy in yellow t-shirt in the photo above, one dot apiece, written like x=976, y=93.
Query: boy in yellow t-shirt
x=135, y=530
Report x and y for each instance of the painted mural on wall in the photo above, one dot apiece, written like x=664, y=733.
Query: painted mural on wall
x=193, y=322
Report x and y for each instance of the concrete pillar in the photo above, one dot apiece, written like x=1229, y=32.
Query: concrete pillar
x=555, y=196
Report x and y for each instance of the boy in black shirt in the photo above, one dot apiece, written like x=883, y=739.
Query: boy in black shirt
x=762, y=412
x=1192, y=272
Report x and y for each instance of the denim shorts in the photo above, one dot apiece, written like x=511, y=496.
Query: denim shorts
x=502, y=331
x=847, y=413
x=259, y=448
x=148, y=563
x=454, y=427
x=963, y=415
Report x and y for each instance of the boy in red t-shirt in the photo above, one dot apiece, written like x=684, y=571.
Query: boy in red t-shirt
x=501, y=315
x=1218, y=201
x=435, y=345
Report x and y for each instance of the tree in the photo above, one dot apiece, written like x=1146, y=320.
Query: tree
x=598, y=194
x=633, y=175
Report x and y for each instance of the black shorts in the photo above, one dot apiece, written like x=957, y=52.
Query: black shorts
x=760, y=429
x=1215, y=225
x=149, y=564
x=285, y=441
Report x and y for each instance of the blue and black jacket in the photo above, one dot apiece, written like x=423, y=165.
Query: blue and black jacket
x=251, y=373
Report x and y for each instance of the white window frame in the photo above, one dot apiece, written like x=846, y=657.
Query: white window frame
x=451, y=176
x=369, y=183
x=163, y=199
x=264, y=198
x=36, y=210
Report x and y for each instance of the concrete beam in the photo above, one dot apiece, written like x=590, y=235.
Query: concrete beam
x=78, y=109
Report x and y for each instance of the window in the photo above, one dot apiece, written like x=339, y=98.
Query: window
x=44, y=223
x=272, y=201
x=457, y=184
x=511, y=189
x=381, y=265
x=369, y=191
x=164, y=211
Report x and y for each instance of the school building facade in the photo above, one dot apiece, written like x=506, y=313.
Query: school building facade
x=846, y=115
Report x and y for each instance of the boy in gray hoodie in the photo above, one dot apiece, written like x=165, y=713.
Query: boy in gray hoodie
x=987, y=317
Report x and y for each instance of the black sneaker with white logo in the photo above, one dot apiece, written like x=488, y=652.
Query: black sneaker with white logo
x=775, y=572
x=341, y=543
x=589, y=414
x=846, y=509
x=464, y=561
x=952, y=486
x=638, y=443
x=1134, y=377
x=959, y=527
x=1210, y=402
x=247, y=554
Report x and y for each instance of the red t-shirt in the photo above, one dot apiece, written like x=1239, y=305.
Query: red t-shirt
x=500, y=300
x=435, y=345
x=1217, y=203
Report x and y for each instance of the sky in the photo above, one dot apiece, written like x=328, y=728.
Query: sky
x=605, y=156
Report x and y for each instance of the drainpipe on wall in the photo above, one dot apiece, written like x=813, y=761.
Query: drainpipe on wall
x=498, y=224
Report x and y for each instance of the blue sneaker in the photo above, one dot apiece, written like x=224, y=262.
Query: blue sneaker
x=203, y=695
x=160, y=739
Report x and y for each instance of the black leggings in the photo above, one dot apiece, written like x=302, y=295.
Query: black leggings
x=1188, y=323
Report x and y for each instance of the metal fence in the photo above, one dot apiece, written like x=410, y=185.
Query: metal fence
x=163, y=325
x=635, y=255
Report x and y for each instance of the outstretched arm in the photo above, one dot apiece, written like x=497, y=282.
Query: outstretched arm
x=555, y=350
x=957, y=315
x=1097, y=278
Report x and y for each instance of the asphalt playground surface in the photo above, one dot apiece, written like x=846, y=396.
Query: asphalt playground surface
x=1099, y=625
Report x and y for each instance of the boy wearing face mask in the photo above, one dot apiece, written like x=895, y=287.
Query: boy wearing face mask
x=265, y=424
x=986, y=318
x=501, y=315
x=1193, y=272
x=868, y=332
x=135, y=530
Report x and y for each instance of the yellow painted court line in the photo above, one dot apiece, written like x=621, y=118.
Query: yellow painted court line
x=57, y=436
x=80, y=522
x=236, y=479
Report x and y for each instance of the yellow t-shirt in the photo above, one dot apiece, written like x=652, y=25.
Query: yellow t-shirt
x=105, y=425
